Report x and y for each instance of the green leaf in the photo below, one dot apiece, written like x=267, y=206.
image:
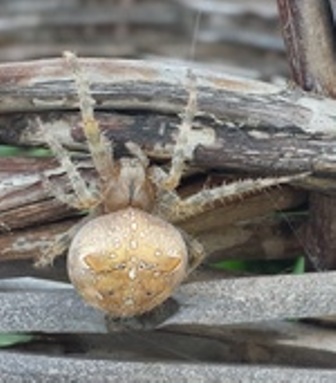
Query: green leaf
x=12, y=151
x=299, y=266
x=7, y=340
x=9, y=151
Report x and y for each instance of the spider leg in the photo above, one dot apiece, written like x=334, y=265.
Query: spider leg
x=181, y=149
x=56, y=249
x=60, y=244
x=60, y=194
x=100, y=148
x=138, y=153
x=176, y=209
x=196, y=251
x=83, y=197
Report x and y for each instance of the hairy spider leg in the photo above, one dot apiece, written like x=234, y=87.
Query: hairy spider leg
x=72, y=200
x=138, y=153
x=196, y=251
x=207, y=197
x=101, y=152
x=61, y=243
x=100, y=148
x=84, y=198
x=179, y=154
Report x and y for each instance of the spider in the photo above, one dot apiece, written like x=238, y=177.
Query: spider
x=126, y=257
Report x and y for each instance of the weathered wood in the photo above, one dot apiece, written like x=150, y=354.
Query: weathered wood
x=32, y=368
x=287, y=343
x=308, y=34
x=25, y=201
x=308, y=30
x=242, y=124
x=29, y=243
x=255, y=299
x=25, y=268
x=124, y=84
x=217, y=302
x=58, y=310
x=320, y=234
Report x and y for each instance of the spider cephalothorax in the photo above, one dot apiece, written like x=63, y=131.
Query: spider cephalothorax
x=125, y=257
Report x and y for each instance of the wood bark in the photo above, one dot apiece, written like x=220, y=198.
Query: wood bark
x=308, y=30
x=244, y=125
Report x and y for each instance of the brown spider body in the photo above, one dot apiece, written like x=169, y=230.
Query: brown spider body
x=129, y=185
x=127, y=262
x=129, y=259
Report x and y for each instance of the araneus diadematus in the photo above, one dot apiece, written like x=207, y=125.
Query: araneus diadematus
x=125, y=257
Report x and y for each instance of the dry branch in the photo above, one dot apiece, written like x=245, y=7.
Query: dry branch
x=308, y=34
x=242, y=124
x=308, y=29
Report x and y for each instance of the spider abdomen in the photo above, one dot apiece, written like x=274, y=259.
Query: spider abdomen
x=127, y=262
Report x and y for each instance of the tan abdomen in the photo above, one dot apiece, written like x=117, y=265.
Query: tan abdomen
x=127, y=262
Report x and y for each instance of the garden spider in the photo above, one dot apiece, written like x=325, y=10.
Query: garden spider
x=124, y=257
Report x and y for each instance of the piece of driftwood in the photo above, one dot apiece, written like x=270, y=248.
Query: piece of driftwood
x=242, y=124
x=215, y=302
